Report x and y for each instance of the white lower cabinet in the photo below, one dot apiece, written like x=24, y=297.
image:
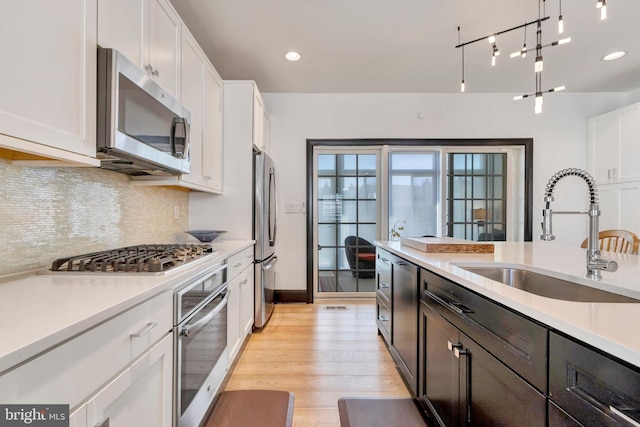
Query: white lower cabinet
x=139, y=396
x=121, y=369
x=240, y=305
x=239, y=311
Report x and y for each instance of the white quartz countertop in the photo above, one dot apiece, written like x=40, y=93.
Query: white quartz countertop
x=40, y=311
x=611, y=327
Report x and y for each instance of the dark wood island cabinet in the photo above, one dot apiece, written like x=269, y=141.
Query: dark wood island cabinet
x=473, y=361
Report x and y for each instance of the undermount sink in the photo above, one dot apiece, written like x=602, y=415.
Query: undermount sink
x=547, y=286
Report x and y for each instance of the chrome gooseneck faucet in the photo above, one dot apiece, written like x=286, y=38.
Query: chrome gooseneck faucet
x=594, y=263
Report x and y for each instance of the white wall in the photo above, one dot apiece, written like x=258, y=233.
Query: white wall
x=633, y=97
x=559, y=133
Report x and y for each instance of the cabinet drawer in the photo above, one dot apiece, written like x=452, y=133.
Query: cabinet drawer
x=515, y=340
x=69, y=373
x=591, y=387
x=238, y=262
x=384, y=321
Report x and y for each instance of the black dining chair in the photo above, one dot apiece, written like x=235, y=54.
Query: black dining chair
x=361, y=256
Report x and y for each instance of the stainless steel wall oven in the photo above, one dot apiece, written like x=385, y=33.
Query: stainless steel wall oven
x=200, y=335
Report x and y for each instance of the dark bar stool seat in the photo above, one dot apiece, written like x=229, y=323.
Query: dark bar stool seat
x=252, y=408
x=380, y=412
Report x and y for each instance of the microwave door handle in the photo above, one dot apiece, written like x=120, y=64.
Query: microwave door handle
x=172, y=139
x=187, y=139
x=183, y=125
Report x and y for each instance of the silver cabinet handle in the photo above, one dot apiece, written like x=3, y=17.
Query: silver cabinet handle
x=145, y=330
x=624, y=416
x=244, y=282
x=155, y=72
x=384, y=285
x=104, y=423
x=236, y=265
x=383, y=318
x=451, y=345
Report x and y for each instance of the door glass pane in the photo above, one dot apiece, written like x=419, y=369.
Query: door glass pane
x=347, y=187
x=367, y=211
x=326, y=235
x=327, y=258
x=349, y=211
x=326, y=164
x=347, y=164
x=326, y=187
x=413, y=192
x=367, y=164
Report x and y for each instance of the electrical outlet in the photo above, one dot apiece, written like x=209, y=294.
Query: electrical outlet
x=176, y=212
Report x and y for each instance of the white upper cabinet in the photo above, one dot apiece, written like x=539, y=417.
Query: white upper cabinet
x=614, y=145
x=148, y=33
x=202, y=96
x=260, y=123
x=213, y=148
x=48, y=83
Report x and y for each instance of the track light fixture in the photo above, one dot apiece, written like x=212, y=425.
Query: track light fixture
x=538, y=63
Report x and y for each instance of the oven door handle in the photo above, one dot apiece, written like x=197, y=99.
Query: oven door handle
x=194, y=327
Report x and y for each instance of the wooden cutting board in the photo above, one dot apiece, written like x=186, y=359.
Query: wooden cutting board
x=447, y=245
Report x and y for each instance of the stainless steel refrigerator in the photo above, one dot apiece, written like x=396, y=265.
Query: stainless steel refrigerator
x=264, y=232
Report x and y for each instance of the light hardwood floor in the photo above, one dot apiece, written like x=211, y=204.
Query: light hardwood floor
x=320, y=355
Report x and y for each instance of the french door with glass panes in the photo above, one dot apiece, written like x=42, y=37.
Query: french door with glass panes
x=477, y=196
x=346, y=188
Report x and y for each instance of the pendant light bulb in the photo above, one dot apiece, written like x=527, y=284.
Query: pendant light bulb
x=603, y=11
x=523, y=52
x=538, y=104
x=599, y=4
x=492, y=39
x=538, y=66
x=462, y=86
x=493, y=60
x=560, y=25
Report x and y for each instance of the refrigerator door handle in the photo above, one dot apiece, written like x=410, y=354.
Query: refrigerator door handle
x=274, y=194
x=268, y=265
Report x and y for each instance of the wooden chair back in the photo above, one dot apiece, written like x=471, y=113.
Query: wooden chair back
x=621, y=241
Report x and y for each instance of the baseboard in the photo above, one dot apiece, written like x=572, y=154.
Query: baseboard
x=293, y=296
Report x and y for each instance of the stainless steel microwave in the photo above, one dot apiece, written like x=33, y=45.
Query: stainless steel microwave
x=141, y=129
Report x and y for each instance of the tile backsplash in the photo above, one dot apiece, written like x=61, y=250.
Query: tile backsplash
x=48, y=213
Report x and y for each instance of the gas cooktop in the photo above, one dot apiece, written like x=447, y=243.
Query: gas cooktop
x=135, y=259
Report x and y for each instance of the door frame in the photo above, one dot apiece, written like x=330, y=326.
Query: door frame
x=527, y=143
x=379, y=151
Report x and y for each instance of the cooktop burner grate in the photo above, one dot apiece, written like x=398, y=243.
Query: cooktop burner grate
x=132, y=259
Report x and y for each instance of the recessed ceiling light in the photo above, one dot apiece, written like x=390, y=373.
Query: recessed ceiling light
x=614, y=55
x=292, y=56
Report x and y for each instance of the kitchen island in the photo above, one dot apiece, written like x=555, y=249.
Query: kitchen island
x=460, y=339
x=611, y=327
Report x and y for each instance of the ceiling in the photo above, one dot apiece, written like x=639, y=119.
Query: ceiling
x=352, y=46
